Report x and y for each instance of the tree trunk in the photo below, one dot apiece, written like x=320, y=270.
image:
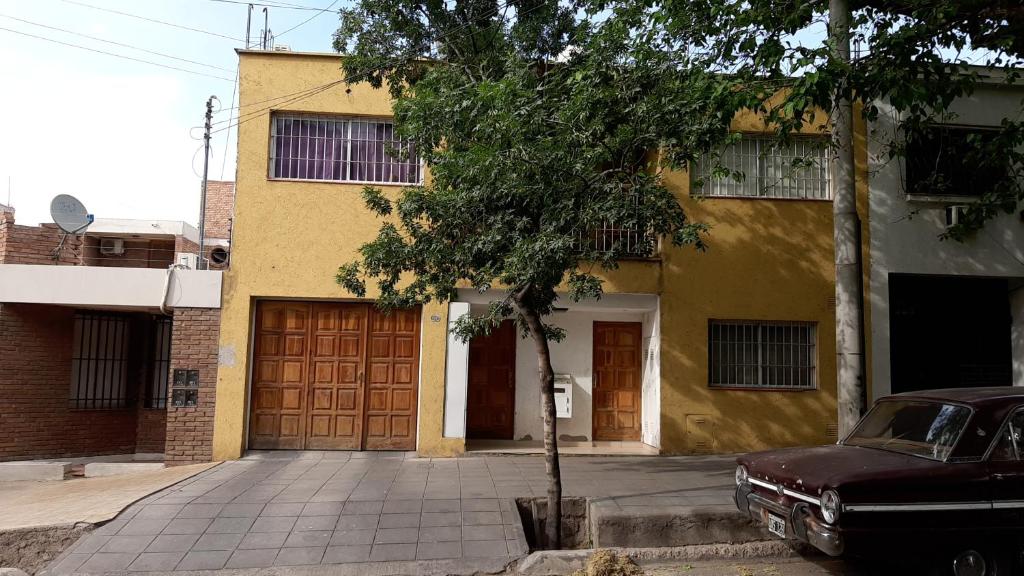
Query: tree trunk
x=553, y=524
x=849, y=298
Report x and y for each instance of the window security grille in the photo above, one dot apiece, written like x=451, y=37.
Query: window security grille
x=99, y=363
x=160, y=364
x=341, y=150
x=953, y=161
x=630, y=240
x=798, y=170
x=762, y=354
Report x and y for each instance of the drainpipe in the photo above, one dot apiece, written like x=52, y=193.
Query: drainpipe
x=167, y=289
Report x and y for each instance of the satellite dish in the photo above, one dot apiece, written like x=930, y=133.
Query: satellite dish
x=69, y=214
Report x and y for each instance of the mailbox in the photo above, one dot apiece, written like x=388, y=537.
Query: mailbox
x=563, y=395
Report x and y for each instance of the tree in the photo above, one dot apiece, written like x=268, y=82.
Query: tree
x=538, y=126
x=919, y=56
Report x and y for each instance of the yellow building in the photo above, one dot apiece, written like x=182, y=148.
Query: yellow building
x=724, y=351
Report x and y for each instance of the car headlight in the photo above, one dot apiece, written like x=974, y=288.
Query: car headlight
x=830, y=506
x=741, y=475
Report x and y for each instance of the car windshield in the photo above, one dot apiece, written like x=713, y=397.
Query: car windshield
x=915, y=427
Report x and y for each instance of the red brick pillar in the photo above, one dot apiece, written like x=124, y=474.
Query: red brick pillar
x=194, y=344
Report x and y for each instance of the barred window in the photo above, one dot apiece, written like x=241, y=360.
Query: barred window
x=99, y=362
x=341, y=150
x=630, y=240
x=745, y=354
x=159, y=364
x=797, y=170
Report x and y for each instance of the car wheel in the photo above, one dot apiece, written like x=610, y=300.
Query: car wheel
x=970, y=563
x=976, y=563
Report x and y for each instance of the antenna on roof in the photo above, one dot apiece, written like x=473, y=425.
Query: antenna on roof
x=70, y=216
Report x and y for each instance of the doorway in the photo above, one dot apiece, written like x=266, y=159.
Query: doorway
x=949, y=331
x=334, y=376
x=617, y=385
x=490, y=409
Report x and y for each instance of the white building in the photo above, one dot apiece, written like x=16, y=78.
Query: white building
x=943, y=313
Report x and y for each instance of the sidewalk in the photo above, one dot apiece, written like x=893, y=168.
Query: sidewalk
x=309, y=508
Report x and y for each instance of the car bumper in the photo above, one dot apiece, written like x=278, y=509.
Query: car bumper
x=801, y=524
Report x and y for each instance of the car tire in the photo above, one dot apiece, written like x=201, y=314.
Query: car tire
x=979, y=562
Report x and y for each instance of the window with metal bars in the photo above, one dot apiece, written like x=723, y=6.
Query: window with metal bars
x=337, y=149
x=751, y=354
x=631, y=241
x=160, y=364
x=761, y=167
x=99, y=362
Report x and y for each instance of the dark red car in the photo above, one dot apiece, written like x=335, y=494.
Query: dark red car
x=943, y=469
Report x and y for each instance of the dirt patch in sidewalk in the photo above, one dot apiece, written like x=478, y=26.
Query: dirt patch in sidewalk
x=31, y=549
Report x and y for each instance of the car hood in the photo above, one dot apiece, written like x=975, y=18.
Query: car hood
x=813, y=470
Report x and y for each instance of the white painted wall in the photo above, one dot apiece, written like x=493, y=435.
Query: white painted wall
x=651, y=398
x=574, y=356
x=456, y=376
x=1017, y=334
x=904, y=233
x=108, y=287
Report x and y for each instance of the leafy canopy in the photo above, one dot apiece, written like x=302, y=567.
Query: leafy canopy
x=538, y=125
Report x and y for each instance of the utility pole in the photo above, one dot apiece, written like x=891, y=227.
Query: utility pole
x=846, y=222
x=206, y=170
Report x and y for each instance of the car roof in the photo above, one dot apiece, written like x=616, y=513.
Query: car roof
x=994, y=394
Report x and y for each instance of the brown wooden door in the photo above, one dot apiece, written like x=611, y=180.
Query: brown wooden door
x=279, y=376
x=617, y=351
x=490, y=411
x=337, y=376
x=334, y=375
x=392, y=373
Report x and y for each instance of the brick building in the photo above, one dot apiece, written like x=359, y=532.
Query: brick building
x=108, y=339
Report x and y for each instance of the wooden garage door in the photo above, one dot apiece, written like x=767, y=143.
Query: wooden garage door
x=617, y=354
x=334, y=375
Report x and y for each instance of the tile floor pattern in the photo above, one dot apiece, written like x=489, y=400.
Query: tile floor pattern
x=302, y=508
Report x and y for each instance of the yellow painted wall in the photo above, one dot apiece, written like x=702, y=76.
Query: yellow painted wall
x=769, y=260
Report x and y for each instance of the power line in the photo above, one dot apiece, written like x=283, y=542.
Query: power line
x=306, y=21
x=114, y=55
x=319, y=89
x=227, y=137
x=123, y=45
x=172, y=24
x=277, y=5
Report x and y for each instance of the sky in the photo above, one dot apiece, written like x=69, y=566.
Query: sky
x=125, y=137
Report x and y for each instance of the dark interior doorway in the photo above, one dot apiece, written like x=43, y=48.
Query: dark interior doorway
x=948, y=332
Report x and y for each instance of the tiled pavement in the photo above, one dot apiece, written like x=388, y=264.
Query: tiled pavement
x=307, y=508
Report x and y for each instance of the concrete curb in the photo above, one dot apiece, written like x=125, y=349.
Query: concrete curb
x=560, y=562
x=614, y=526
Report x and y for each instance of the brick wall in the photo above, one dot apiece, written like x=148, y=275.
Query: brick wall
x=194, y=345
x=35, y=244
x=220, y=207
x=151, y=432
x=35, y=379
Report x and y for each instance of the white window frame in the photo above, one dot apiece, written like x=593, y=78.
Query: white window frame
x=759, y=363
x=753, y=152
x=348, y=120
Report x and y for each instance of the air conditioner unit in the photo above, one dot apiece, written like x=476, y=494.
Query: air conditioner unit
x=954, y=214
x=111, y=246
x=187, y=259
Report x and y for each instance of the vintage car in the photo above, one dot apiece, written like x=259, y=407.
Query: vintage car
x=943, y=469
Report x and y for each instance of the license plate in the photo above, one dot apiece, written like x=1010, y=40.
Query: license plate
x=777, y=525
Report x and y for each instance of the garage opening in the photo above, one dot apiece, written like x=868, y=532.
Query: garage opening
x=334, y=376
x=948, y=332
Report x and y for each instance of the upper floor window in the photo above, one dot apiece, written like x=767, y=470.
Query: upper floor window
x=952, y=161
x=762, y=167
x=341, y=150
